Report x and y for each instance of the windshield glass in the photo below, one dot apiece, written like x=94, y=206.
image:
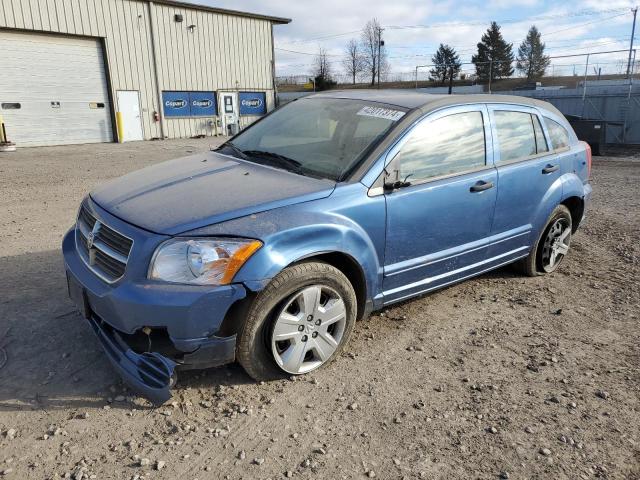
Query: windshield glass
x=322, y=137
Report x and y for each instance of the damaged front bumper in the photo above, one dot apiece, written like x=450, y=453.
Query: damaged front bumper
x=149, y=330
x=148, y=374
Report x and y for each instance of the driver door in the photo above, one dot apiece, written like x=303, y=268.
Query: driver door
x=439, y=222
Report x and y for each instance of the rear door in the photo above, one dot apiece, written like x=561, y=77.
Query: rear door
x=527, y=170
x=438, y=223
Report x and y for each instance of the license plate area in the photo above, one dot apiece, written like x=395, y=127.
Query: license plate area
x=78, y=296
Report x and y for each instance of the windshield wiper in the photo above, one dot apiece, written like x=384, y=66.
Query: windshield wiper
x=234, y=148
x=277, y=159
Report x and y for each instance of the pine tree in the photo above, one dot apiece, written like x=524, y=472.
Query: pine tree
x=444, y=60
x=495, y=55
x=532, y=61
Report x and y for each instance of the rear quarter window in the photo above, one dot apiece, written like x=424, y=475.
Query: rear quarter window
x=558, y=134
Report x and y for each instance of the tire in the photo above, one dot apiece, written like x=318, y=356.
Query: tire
x=536, y=263
x=270, y=317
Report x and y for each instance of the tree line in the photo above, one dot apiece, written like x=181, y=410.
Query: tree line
x=493, y=60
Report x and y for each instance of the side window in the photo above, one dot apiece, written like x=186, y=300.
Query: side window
x=558, y=134
x=541, y=142
x=447, y=145
x=516, y=136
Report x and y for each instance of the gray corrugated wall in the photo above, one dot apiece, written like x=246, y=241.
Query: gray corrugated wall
x=611, y=103
x=224, y=52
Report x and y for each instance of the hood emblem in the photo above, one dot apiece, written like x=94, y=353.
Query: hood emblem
x=91, y=238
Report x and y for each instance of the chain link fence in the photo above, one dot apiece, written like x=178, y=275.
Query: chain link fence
x=603, y=86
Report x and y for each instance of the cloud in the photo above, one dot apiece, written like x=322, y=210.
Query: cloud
x=331, y=23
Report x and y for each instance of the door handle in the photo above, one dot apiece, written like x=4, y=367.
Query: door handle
x=481, y=186
x=549, y=169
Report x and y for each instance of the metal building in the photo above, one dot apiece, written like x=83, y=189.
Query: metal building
x=82, y=71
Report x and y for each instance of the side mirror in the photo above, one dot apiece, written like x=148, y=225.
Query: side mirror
x=390, y=186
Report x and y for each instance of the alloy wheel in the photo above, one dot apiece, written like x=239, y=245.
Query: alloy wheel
x=308, y=329
x=556, y=244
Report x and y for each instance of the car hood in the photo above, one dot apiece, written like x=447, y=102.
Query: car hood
x=201, y=190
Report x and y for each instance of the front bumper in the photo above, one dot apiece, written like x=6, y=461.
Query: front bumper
x=148, y=374
x=188, y=319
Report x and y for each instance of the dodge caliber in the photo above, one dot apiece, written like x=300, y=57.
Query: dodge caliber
x=267, y=250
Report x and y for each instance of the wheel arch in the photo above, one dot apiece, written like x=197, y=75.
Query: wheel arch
x=351, y=269
x=575, y=205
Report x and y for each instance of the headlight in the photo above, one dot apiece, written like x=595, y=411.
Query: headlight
x=210, y=261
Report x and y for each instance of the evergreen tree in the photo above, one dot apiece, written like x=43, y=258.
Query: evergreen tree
x=495, y=55
x=532, y=61
x=444, y=60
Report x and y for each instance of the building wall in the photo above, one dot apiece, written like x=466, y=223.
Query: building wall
x=224, y=52
x=614, y=103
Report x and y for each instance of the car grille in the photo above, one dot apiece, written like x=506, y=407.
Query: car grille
x=105, y=250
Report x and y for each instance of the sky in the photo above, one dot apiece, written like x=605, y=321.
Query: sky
x=415, y=28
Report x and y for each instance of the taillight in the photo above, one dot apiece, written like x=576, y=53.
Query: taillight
x=587, y=148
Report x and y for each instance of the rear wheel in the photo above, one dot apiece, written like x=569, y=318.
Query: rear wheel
x=552, y=246
x=298, y=323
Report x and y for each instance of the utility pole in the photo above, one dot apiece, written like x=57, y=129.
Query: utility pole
x=450, y=80
x=490, y=73
x=380, y=44
x=633, y=32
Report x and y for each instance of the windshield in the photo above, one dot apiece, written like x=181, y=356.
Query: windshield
x=321, y=137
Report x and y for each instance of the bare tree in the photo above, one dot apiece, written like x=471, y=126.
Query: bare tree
x=322, y=71
x=322, y=67
x=373, y=51
x=353, y=62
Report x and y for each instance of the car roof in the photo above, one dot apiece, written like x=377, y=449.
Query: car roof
x=412, y=99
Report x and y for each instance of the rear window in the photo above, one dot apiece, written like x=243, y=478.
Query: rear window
x=516, y=137
x=558, y=134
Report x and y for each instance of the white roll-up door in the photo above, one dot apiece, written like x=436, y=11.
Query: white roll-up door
x=53, y=89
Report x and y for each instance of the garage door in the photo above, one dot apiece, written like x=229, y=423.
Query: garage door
x=53, y=90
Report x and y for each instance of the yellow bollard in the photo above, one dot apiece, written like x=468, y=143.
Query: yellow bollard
x=120, y=126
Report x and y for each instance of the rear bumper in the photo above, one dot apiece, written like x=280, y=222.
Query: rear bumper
x=587, y=200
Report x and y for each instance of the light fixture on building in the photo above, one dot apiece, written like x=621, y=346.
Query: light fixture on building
x=191, y=28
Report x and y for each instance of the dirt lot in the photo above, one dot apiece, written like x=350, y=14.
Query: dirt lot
x=498, y=377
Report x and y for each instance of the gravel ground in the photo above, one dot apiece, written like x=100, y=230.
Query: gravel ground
x=498, y=377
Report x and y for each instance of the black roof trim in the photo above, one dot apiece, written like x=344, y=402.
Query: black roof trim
x=224, y=11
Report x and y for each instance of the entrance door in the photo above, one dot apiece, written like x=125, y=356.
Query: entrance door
x=229, y=113
x=129, y=107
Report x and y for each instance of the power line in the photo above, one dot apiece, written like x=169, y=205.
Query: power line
x=470, y=47
x=474, y=23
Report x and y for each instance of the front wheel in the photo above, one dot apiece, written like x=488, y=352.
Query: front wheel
x=298, y=323
x=552, y=246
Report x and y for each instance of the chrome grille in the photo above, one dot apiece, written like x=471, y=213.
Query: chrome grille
x=105, y=250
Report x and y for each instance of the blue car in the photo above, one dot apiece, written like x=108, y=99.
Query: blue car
x=267, y=250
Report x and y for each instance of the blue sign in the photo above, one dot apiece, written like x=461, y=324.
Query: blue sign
x=203, y=104
x=252, y=103
x=176, y=104
x=189, y=104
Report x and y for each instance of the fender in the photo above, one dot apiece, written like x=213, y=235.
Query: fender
x=552, y=198
x=293, y=245
x=572, y=186
x=337, y=224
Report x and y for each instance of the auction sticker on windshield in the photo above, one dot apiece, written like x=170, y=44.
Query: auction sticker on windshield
x=380, y=112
